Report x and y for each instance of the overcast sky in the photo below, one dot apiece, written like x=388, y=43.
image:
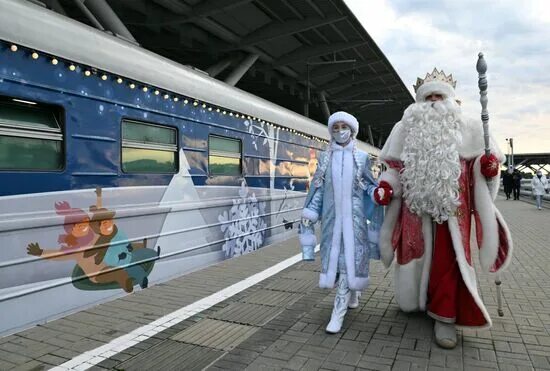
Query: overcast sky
x=418, y=35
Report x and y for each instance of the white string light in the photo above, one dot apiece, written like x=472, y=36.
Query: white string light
x=119, y=80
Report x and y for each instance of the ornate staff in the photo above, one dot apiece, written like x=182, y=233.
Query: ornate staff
x=481, y=67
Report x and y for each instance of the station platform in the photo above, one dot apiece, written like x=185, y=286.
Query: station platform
x=264, y=311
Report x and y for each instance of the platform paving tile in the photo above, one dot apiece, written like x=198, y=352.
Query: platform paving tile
x=287, y=313
x=172, y=355
x=215, y=334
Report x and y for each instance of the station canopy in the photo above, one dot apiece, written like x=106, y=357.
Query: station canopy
x=274, y=49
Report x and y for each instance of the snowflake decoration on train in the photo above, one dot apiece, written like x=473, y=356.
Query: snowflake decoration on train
x=257, y=131
x=243, y=227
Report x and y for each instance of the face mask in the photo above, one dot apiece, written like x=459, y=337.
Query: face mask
x=539, y=175
x=341, y=136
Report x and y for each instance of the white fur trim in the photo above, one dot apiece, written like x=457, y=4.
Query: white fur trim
x=473, y=144
x=494, y=185
x=468, y=273
x=392, y=177
x=486, y=209
x=471, y=147
x=326, y=281
x=342, y=179
x=427, y=234
x=407, y=279
x=392, y=213
x=394, y=144
x=434, y=87
x=308, y=239
x=358, y=283
x=310, y=215
x=508, y=237
x=347, y=214
x=342, y=116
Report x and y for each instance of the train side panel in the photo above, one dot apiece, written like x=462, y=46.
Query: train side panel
x=101, y=213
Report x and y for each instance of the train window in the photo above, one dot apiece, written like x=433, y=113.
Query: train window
x=148, y=148
x=224, y=156
x=30, y=136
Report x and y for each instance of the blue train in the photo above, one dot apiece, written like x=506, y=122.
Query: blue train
x=120, y=168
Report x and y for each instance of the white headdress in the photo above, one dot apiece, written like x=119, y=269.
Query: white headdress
x=435, y=83
x=342, y=116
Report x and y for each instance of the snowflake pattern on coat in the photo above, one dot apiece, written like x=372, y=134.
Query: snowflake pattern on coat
x=243, y=226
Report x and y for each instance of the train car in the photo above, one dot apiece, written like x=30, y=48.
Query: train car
x=120, y=169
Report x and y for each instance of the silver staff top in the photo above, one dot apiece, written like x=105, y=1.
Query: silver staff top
x=481, y=67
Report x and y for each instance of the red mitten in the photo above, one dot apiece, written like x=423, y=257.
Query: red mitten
x=489, y=166
x=383, y=193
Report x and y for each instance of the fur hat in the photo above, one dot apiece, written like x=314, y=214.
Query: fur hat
x=345, y=117
x=436, y=82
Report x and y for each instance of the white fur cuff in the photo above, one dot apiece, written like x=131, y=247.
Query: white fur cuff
x=387, y=255
x=310, y=215
x=358, y=283
x=392, y=177
x=308, y=239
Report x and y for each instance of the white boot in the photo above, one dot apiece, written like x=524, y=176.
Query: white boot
x=341, y=302
x=445, y=334
x=354, y=299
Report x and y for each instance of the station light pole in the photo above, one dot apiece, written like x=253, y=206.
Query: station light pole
x=510, y=142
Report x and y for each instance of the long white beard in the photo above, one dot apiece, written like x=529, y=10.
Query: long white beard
x=431, y=159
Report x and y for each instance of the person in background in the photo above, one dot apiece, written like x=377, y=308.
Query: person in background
x=508, y=181
x=342, y=198
x=539, y=186
x=516, y=184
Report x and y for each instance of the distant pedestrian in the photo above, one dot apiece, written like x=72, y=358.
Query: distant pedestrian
x=516, y=185
x=508, y=181
x=539, y=186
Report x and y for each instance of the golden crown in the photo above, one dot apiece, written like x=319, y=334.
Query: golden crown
x=435, y=76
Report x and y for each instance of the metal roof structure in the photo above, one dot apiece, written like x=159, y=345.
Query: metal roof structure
x=310, y=56
x=532, y=161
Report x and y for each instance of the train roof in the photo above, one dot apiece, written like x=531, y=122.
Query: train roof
x=40, y=29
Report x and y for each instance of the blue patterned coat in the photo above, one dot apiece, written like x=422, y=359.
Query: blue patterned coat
x=360, y=225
